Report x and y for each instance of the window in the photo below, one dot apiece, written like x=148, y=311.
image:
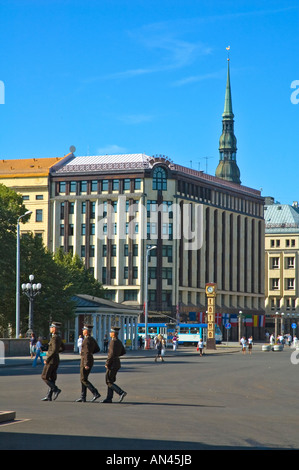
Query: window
x=62, y=186
x=130, y=295
x=113, y=250
x=71, y=208
x=290, y=262
x=135, y=272
x=91, y=251
x=39, y=197
x=135, y=249
x=105, y=185
x=92, y=229
x=274, y=263
x=167, y=274
x=126, y=250
x=275, y=283
x=94, y=185
x=38, y=215
x=61, y=230
x=83, y=229
x=126, y=272
x=83, y=208
x=73, y=186
x=104, y=253
x=83, y=186
x=290, y=283
x=25, y=198
x=113, y=272
x=104, y=274
x=62, y=210
x=127, y=185
x=82, y=251
x=71, y=229
x=92, y=210
x=137, y=184
x=115, y=185
x=159, y=179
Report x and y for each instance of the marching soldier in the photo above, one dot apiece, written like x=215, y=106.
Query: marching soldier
x=116, y=349
x=89, y=347
x=51, y=362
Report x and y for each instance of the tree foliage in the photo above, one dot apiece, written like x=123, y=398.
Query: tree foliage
x=61, y=275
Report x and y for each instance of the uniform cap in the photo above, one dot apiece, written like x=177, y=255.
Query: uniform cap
x=55, y=324
x=115, y=329
x=87, y=327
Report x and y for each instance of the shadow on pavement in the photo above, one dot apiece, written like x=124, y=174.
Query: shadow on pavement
x=23, y=441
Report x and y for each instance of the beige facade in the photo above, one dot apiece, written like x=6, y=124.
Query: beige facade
x=282, y=261
x=30, y=178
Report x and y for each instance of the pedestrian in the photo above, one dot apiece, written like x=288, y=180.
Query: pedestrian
x=115, y=350
x=272, y=339
x=159, y=345
x=89, y=347
x=32, y=345
x=175, y=342
x=200, y=346
x=250, y=343
x=79, y=343
x=243, y=344
x=51, y=362
x=106, y=343
x=38, y=353
x=289, y=339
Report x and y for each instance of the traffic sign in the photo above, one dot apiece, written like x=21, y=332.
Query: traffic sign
x=294, y=325
x=228, y=326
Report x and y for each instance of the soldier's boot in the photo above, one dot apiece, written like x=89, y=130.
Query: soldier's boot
x=109, y=397
x=95, y=393
x=56, y=392
x=83, y=394
x=48, y=397
x=120, y=392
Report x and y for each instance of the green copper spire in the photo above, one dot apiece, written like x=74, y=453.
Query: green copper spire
x=228, y=107
x=227, y=167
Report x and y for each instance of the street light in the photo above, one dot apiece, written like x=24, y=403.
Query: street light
x=31, y=290
x=148, y=249
x=18, y=275
x=240, y=324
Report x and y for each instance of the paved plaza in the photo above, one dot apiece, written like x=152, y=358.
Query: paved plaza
x=223, y=400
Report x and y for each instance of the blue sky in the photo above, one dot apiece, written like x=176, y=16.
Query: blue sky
x=117, y=76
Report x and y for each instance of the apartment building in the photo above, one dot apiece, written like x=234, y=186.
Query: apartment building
x=282, y=261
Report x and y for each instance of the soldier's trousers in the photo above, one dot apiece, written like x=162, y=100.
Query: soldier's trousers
x=49, y=374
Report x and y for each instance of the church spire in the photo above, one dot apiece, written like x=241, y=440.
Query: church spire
x=227, y=167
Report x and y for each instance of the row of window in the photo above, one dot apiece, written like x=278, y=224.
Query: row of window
x=288, y=303
x=38, y=197
x=97, y=186
x=274, y=262
x=288, y=243
x=289, y=283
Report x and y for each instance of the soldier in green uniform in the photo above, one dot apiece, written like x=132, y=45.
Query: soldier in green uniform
x=89, y=347
x=51, y=362
x=116, y=349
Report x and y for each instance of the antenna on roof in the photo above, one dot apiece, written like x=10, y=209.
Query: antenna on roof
x=72, y=148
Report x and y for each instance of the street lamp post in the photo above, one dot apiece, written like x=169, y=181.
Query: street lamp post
x=31, y=290
x=18, y=276
x=240, y=324
x=148, y=249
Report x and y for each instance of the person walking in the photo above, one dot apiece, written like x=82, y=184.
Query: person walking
x=175, y=342
x=243, y=343
x=51, y=362
x=200, y=346
x=106, y=342
x=159, y=346
x=250, y=344
x=89, y=347
x=79, y=343
x=115, y=350
x=38, y=353
x=32, y=345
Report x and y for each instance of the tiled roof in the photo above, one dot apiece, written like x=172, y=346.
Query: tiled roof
x=139, y=161
x=282, y=218
x=27, y=167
